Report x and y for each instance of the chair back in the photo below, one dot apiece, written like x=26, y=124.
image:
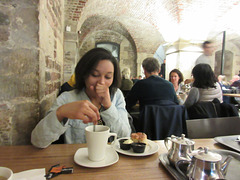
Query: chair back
x=211, y=109
x=213, y=127
x=159, y=122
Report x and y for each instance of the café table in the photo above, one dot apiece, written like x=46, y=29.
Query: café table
x=26, y=157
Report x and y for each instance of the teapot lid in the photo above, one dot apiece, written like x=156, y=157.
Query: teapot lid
x=206, y=155
x=182, y=140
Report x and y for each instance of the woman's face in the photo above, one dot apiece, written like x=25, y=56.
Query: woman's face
x=174, y=78
x=102, y=74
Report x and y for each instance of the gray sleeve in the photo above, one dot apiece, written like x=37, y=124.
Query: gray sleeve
x=192, y=98
x=116, y=117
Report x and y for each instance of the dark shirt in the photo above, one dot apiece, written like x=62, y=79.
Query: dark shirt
x=236, y=84
x=151, y=91
x=135, y=80
x=162, y=72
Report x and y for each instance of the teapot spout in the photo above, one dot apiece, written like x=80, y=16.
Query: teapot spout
x=225, y=164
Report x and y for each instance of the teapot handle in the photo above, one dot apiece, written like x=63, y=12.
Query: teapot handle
x=166, y=142
x=178, y=163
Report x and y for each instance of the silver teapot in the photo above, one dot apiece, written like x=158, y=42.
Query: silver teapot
x=205, y=165
x=179, y=149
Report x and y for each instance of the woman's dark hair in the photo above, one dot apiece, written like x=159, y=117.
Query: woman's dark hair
x=89, y=61
x=204, y=76
x=178, y=73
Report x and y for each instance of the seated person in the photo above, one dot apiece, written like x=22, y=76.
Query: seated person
x=68, y=86
x=205, y=86
x=162, y=70
x=176, y=78
x=235, y=82
x=127, y=83
x=96, y=95
x=222, y=81
x=152, y=89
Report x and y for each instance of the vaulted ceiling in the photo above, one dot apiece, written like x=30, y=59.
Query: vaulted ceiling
x=164, y=20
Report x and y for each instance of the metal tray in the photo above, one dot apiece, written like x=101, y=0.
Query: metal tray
x=229, y=141
x=233, y=172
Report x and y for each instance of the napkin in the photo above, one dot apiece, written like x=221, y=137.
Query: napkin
x=33, y=174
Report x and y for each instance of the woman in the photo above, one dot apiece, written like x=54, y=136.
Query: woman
x=205, y=86
x=127, y=83
x=176, y=77
x=96, y=94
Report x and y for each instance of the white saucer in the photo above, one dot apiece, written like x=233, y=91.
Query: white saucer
x=81, y=158
x=151, y=148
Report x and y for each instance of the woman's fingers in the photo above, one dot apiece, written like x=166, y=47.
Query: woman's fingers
x=84, y=110
x=94, y=109
x=89, y=112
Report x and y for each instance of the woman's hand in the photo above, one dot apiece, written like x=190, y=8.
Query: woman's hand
x=83, y=110
x=103, y=93
x=187, y=81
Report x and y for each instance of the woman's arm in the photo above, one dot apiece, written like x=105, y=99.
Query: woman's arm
x=52, y=126
x=192, y=98
x=48, y=130
x=116, y=117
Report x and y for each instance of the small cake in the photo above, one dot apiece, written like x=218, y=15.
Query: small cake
x=134, y=137
x=139, y=137
x=142, y=138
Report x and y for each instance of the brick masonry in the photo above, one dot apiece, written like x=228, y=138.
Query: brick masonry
x=26, y=52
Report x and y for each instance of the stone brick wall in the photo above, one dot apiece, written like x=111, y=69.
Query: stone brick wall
x=51, y=20
x=31, y=59
x=19, y=56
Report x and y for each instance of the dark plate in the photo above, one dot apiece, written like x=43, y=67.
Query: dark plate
x=229, y=141
x=233, y=172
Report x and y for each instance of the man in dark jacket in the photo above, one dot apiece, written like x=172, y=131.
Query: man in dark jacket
x=153, y=89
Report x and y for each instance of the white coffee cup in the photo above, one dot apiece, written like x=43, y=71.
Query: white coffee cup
x=97, y=141
x=6, y=173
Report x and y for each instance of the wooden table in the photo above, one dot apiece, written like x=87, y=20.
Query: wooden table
x=232, y=95
x=20, y=158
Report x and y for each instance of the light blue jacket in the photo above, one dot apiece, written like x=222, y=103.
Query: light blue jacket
x=49, y=128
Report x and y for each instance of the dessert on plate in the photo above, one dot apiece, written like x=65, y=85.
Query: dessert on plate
x=137, y=142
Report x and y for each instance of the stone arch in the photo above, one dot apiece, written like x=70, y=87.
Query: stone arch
x=102, y=29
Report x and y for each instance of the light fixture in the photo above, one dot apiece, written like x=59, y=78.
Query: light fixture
x=68, y=28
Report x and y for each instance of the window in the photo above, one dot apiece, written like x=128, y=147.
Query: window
x=114, y=48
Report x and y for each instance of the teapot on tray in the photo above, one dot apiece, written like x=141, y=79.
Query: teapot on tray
x=204, y=165
x=178, y=148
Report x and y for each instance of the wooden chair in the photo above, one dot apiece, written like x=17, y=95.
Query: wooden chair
x=213, y=127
